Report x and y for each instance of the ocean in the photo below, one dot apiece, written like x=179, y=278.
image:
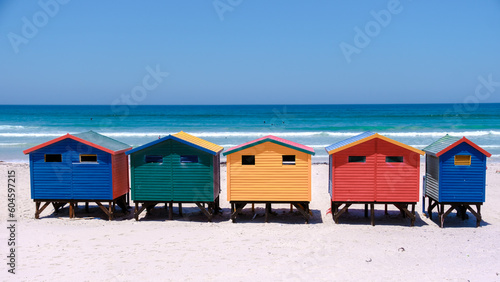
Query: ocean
x=317, y=126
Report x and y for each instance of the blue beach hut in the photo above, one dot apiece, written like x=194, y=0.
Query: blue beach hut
x=84, y=167
x=456, y=176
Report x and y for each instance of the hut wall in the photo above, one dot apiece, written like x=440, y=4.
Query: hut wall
x=354, y=181
x=462, y=183
x=216, y=167
x=269, y=179
x=120, y=175
x=397, y=181
x=71, y=179
x=192, y=181
x=151, y=181
x=172, y=180
x=432, y=176
x=375, y=179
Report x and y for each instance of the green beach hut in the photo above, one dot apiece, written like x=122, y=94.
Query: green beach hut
x=178, y=168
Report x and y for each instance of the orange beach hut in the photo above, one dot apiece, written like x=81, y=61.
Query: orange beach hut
x=269, y=170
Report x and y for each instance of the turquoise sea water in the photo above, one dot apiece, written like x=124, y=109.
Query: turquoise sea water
x=22, y=127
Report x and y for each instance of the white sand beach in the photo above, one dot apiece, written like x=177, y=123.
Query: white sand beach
x=189, y=248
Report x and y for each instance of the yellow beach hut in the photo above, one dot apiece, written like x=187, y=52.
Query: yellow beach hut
x=269, y=170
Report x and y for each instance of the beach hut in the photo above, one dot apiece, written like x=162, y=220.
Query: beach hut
x=178, y=168
x=85, y=167
x=269, y=170
x=455, y=175
x=372, y=169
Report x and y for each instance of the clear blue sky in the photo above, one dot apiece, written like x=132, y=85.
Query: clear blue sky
x=254, y=52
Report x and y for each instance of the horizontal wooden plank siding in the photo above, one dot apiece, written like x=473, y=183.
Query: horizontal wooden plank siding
x=151, y=181
x=192, y=181
x=172, y=180
x=432, y=177
x=120, y=175
x=71, y=179
x=269, y=179
x=462, y=183
x=375, y=179
x=354, y=181
x=397, y=181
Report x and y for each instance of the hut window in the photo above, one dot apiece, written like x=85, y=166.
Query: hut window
x=153, y=159
x=189, y=159
x=88, y=158
x=53, y=158
x=288, y=159
x=462, y=160
x=357, y=159
x=248, y=160
x=393, y=159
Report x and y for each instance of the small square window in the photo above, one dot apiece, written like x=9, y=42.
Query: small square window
x=462, y=160
x=88, y=158
x=189, y=159
x=357, y=159
x=248, y=160
x=53, y=158
x=153, y=159
x=288, y=159
x=393, y=159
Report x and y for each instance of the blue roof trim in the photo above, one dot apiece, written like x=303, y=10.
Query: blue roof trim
x=349, y=141
x=169, y=137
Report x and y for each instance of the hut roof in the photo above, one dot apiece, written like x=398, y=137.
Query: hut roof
x=90, y=138
x=273, y=139
x=187, y=139
x=363, y=137
x=447, y=142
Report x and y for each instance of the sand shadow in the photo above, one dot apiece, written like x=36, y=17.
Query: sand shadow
x=189, y=213
x=94, y=212
x=393, y=218
x=278, y=215
x=454, y=221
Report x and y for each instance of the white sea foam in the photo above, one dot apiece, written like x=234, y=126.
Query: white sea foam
x=11, y=144
x=7, y=126
x=264, y=133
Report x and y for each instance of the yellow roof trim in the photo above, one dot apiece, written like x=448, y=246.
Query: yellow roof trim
x=198, y=141
x=376, y=135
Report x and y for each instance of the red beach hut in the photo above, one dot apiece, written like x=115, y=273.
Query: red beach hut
x=372, y=169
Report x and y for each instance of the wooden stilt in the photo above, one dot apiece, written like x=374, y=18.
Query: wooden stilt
x=339, y=213
x=40, y=210
x=180, y=209
x=268, y=210
x=87, y=207
x=366, y=210
x=372, y=207
x=291, y=207
x=385, y=210
x=237, y=209
x=111, y=208
x=171, y=211
x=136, y=211
x=204, y=211
x=71, y=209
x=303, y=209
x=253, y=207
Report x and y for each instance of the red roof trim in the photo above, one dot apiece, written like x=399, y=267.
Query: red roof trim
x=76, y=139
x=460, y=142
